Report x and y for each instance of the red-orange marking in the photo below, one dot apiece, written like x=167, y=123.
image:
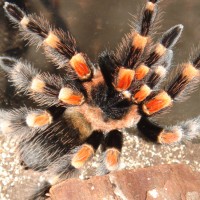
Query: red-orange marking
x=168, y=138
x=82, y=156
x=190, y=71
x=74, y=99
x=42, y=120
x=124, y=79
x=160, y=101
x=80, y=66
x=141, y=71
x=142, y=94
x=68, y=96
x=139, y=41
x=112, y=158
x=37, y=120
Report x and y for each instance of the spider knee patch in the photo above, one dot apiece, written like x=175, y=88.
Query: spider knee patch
x=141, y=71
x=112, y=146
x=112, y=159
x=190, y=71
x=82, y=156
x=139, y=43
x=87, y=150
x=124, y=79
x=158, y=102
x=169, y=137
x=142, y=94
x=80, y=66
x=56, y=46
x=156, y=54
x=52, y=40
x=38, y=119
x=37, y=85
x=188, y=75
x=68, y=96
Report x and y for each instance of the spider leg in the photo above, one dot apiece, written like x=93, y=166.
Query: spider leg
x=133, y=45
x=117, y=68
x=155, y=67
x=189, y=129
x=41, y=138
x=42, y=135
x=159, y=72
x=69, y=164
x=58, y=46
x=44, y=88
x=167, y=41
x=87, y=150
x=129, y=81
x=177, y=89
x=112, y=147
x=23, y=123
x=160, y=58
x=45, y=147
x=60, y=170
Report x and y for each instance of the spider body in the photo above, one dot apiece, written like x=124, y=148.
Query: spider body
x=87, y=105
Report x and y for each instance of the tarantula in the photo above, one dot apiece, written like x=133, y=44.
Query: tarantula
x=87, y=105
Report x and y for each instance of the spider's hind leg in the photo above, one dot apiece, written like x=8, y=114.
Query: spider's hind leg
x=134, y=44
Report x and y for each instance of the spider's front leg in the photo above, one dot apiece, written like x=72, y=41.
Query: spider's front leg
x=130, y=51
x=177, y=89
x=45, y=89
x=58, y=46
x=130, y=70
